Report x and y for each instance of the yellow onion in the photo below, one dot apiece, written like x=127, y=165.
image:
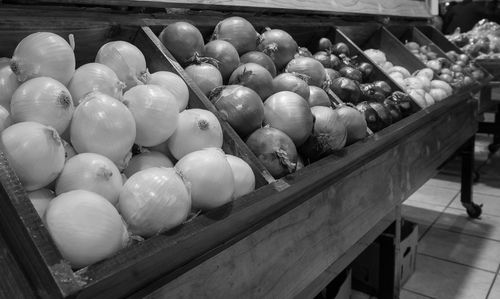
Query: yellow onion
x=244, y=179
x=145, y=160
x=174, y=84
x=8, y=83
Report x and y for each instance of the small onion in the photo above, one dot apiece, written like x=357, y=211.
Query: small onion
x=210, y=176
x=35, y=152
x=226, y=56
x=253, y=76
x=244, y=179
x=354, y=122
x=281, y=46
x=103, y=125
x=196, y=129
x=154, y=200
x=183, y=40
x=40, y=199
x=94, y=77
x=155, y=111
x=291, y=82
x=290, y=113
x=8, y=83
x=126, y=60
x=318, y=97
x=309, y=67
x=275, y=150
x=205, y=75
x=43, y=100
x=174, y=84
x=241, y=107
x=91, y=172
x=239, y=32
x=260, y=58
x=147, y=160
x=329, y=134
x=43, y=54
x=85, y=227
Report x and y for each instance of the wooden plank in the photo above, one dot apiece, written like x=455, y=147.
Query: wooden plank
x=404, y=8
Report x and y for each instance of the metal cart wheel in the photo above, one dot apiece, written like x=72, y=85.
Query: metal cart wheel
x=473, y=210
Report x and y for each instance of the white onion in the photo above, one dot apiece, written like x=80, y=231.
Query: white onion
x=35, y=152
x=8, y=83
x=196, y=129
x=91, y=172
x=126, y=60
x=43, y=54
x=244, y=179
x=40, y=199
x=5, y=119
x=43, y=100
x=174, y=84
x=94, y=77
x=103, y=125
x=155, y=111
x=210, y=176
x=85, y=227
x=154, y=200
x=163, y=148
x=147, y=160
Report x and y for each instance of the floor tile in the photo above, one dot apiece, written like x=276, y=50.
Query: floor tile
x=464, y=249
x=457, y=220
x=445, y=280
x=489, y=187
x=445, y=181
x=495, y=291
x=433, y=195
x=491, y=204
x=423, y=214
x=404, y=294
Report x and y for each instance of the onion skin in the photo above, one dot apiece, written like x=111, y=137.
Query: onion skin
x=205, y=75
x=347, y=89
x=275, y=150
x=183, y=40
x=318, y=97
x=324, y=58
x=355, y=123
x=237, y=31
x=40, y=199
x=35, y=152
x=226, y=55
x=260, y=58
x=290, y=113
x=147, y=160
x=173, y=83
x=372, y=119
x=154, y=200
x=290, y=82
x=309, y=67
x=282, y=46
x=8, y=83
x=85, y=227
x=244, y=178
x=241, y=107
x=253, y=76
x=43, y=54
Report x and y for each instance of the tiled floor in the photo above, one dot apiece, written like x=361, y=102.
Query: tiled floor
x=458, y=257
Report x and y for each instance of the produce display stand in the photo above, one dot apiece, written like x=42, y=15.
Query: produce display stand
x=287, y=239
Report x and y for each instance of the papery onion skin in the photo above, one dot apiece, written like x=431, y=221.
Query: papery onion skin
x=253, y=76
x=260, y=58
x=173, y=83
x=210, y=176
x=244, y=178
x=163, y=149
x=40, y=199
x=103, y=125
x=241, y=107
x=290, y=82
x=196, y=129
x=94, y=77
x=8, y=83
x=43, y=54
x=126, y=60
x=226, y=56
x=154, y=200
x=155, y=111
x=69, y=151
x=5, y=120
x=43, y=100
x=35, y=152
x=355, y=123
x=282, y=46
x=91, y=172
x=147, y=160
x=275, y=150
x=205, y=75
x=237, y=31
x=183, y=40
x=309, y=67
x=85, y=227
x=318, y=97
x=290, y=113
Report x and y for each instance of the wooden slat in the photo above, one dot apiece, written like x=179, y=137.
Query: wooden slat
x=404, y=8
